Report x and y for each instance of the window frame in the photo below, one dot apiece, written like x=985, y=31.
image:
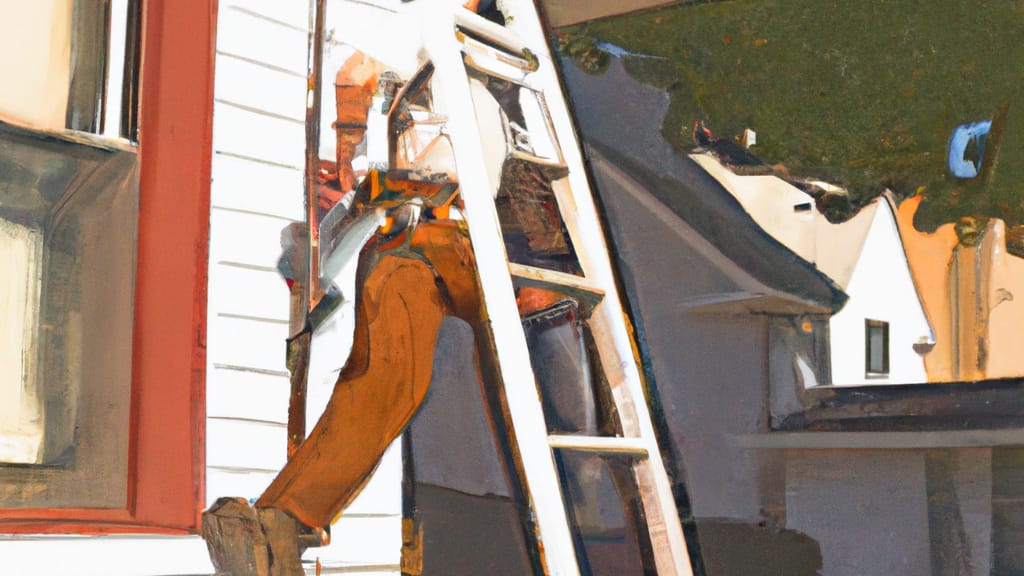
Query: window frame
x=869, y=326
x=166, y=454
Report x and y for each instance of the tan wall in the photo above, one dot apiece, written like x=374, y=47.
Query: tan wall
x=35, y=40
x=1006, y=308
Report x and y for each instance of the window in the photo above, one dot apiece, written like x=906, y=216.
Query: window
x=876, y=347
x=67, y=299
x=19, y=258
x=103, y=80
x=145, y=209
x=77, y=65
x=67, y=295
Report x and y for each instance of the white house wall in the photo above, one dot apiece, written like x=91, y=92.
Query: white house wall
x=257, y=190
x=259, y=146
x=881, y=288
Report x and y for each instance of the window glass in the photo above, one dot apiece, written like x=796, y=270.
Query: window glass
x=68, y=218
x=877, y=346
x=76, y=66
x=606, y=514
x=572, y=388
x=20, y=417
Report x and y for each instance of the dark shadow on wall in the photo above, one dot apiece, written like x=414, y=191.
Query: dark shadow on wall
x=740, y=549
x=470, y=535
x=460, y=487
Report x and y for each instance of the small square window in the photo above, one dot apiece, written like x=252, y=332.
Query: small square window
x=876, y=347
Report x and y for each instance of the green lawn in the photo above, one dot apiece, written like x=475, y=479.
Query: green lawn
x=865, y=93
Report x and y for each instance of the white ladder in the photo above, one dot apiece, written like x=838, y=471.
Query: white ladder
x=518, y=53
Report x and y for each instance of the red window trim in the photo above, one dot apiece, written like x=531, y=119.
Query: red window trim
x=166, y=463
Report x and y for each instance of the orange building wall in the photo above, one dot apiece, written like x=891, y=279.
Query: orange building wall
x=929, y=257
x=994, y=315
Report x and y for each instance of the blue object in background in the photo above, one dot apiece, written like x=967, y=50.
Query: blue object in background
x=620, y=52
x=963, y=135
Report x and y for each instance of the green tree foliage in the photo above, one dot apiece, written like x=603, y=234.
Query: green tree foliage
x=863, y=94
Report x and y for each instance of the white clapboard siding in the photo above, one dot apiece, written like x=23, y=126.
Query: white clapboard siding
x=245, y=240
x=377, y=499
x=253, y=94
x=243, y=132
x=267, y=394
x=245, y=184
x=245, y=444
x=259, y=146
x=367, y=537
x=236, y=291
x=238, y=482
x=244, y=32
x=242, y=343
x=354, y=569
x=361, y=540
x=379, y=496
x=291, y=13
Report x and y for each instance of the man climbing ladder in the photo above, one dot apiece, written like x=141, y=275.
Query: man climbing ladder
x=485, y=214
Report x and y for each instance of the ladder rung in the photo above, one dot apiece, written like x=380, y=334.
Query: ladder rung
x=608, y=444
x=568, y=284
x=490, y=31
x=489, y=55
x=553, y=168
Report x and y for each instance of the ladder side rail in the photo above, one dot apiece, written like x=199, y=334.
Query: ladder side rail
x=528, y=425
x=666, y=531
x=616, y=374
x=608, y=322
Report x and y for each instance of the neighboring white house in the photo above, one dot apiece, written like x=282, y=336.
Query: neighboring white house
x=872, y=339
